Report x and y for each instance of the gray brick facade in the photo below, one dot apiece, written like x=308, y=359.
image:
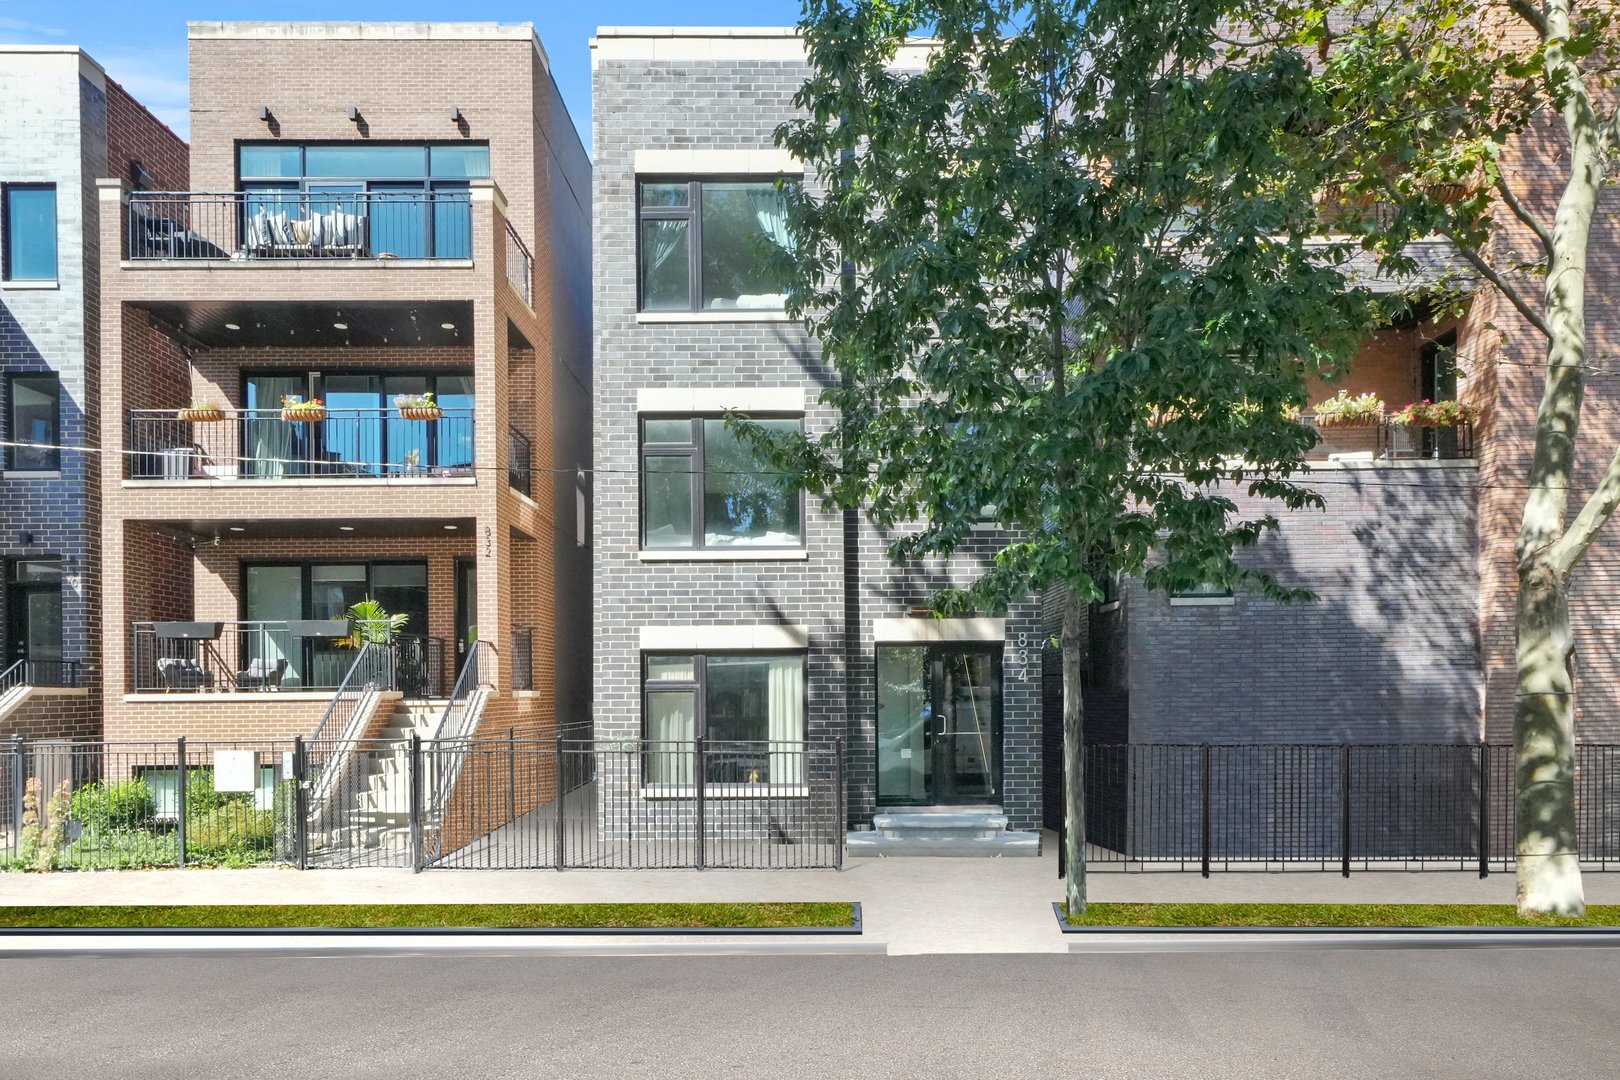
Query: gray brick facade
x=732, y=99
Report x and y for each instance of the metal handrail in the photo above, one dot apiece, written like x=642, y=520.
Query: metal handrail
x=25, y=672
x=450, y=737
x=361, y=679
x=453, y=721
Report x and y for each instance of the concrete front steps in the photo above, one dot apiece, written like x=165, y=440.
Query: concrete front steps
x=943, y=831
x=378, y=810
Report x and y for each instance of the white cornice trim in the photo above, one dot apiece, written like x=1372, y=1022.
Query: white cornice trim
x=695, y=161
x=748, y=637
x=716, y=399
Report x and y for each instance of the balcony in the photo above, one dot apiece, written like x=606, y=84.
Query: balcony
x=1383, y=440
x=191, y=226
x=267, y=445
x=302, y=655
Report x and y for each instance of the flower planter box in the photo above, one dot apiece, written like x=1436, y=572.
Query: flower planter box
x=1348, y=421
x=202, y=416
x=425, y=412
x=303, y=416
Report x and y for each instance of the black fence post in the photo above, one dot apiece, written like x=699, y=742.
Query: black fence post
x=301, y=800
x=180, y=795
x=1484, y=809
x=416, y=803
x=511, y=775
x=700, y=775
x=841, y=810
x=1344, y=810
x=1204, y=838
x=560, y=854
x=19, y=769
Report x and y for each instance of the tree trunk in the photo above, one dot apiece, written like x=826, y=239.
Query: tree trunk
x=1549, y=874
x=1074, y=795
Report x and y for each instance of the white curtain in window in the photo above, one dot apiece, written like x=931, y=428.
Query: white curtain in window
x=670, y=721
x=785, y=719
x=661, y=241
x=770, y=210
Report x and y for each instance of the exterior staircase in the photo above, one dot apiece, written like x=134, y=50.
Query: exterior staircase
x=948, y=831
x=374, y=809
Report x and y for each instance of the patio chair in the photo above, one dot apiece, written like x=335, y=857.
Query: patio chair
x=262, y=674
x=183, y=673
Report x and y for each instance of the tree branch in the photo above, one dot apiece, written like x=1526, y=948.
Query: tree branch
x=1503, y=286
x=1530, y=14
x=1520, y=211
x=1567, y=550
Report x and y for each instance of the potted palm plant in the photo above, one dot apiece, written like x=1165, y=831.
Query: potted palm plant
x=370, y=624
x=297, y=410
x=417, y=406
x=202, y=412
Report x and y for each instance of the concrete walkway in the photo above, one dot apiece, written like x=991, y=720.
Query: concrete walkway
x=914, y=905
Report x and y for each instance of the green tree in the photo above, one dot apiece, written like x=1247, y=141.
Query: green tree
x=1066, y=263
x=1434, y=98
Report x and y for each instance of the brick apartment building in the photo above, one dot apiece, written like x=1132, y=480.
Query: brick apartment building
x=699, y=606
x=390, y=220
x=68, y=124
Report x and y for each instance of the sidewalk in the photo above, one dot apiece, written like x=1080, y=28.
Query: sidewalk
x=914, y=905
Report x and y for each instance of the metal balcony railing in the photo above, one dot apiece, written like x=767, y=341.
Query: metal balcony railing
x=259, y=444
x=519, y=265
x=250, y=225
x=1385, y=440
x=520, y=463
x=270, y=656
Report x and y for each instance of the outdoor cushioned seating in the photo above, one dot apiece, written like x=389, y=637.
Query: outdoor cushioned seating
x=183, y=673
x=261, y=674
x=335, y=233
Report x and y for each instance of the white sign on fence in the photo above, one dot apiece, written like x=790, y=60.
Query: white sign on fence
x=235, y=770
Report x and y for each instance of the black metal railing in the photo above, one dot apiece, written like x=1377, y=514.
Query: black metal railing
x=1384, y=440
x=246, y=226
x=137, y=805
x=51, y=673
x=520, y=463
x=522, y=653
x=1326, y=806
x=419, y=665
x=564, y=802
x=262, y=444
x=246, y=655
x=519, y=265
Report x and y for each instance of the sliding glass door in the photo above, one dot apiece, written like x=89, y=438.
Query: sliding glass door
x=277, y=592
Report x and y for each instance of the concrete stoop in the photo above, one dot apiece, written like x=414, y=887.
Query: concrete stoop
x=943, y=831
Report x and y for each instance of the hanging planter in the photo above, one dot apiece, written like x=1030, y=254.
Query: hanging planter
x=1436, y=414
x=1343, y=411
x=418, y=407
x=299, y=411
x=202, y=414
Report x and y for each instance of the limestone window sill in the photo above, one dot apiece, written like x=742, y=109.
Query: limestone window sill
x=1202, y=601
x=754, y=555
x=21, y=286
x=726, y=791
x=29, y=474
x=723, y=315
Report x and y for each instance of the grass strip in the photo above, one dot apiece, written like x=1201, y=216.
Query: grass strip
x=1267, y=915
x=420, y=916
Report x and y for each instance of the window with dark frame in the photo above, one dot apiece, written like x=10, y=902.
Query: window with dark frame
x=28, y=232
x=415, y=198
x=34, y=415
x=707, y=245
x=749, y=707
x=702, y=487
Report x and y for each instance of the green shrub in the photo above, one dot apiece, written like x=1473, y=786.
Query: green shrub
x=114, y=804
x=234, y=834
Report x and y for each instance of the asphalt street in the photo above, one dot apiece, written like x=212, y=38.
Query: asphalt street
x=1408, y=1013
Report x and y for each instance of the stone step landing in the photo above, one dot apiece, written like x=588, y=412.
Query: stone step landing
x=943, y=831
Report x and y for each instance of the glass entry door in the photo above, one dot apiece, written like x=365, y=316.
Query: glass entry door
x=34, y=616
x=939, y=724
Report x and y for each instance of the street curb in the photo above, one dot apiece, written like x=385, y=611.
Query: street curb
x=1219, y=938
x=855, y=929
x=298, y=944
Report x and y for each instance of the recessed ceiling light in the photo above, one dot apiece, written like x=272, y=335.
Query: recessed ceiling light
x=345, y=528
x=452, y=526
x=447, y=326
x=232, y=326
x=237, y=528
x=340, y=326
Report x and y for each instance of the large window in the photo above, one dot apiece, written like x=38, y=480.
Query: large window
x=273, y=592
x=406, y=201
x=28, y=232
x=732, y=701
x=703, y=487
x=34, y=404
x=708, y=245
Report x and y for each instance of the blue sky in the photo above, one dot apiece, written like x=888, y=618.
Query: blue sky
x=143, y=45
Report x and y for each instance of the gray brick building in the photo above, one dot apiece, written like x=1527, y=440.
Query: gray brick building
x=67, y=125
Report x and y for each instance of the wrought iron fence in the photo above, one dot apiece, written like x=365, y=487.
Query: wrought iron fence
x=1328, y=807
x=564, y=802
x=263, y=444
x=251, y=225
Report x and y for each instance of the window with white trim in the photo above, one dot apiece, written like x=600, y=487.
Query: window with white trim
x=748, y=707
x=710, y=245
x=704, y=487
